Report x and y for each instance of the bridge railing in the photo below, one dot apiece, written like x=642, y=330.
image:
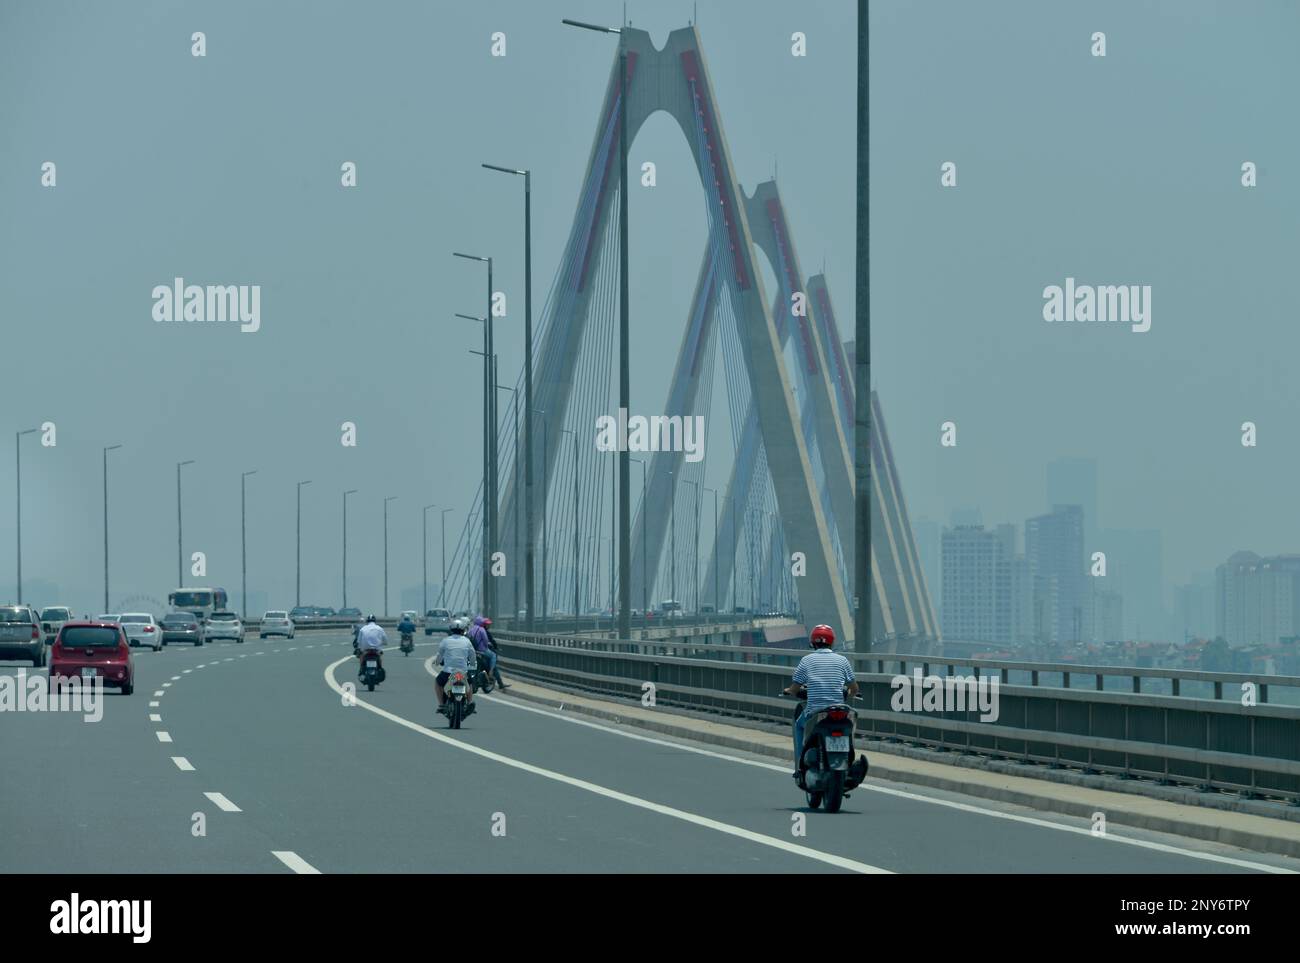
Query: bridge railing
x=1212, y=743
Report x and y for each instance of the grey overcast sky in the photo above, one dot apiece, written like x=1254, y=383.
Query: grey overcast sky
x=225, y=170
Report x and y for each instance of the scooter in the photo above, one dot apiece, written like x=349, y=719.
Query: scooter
x=408, y=643
x=458, y=704
x=372, y=673
x=483, y=681
x=827, y=769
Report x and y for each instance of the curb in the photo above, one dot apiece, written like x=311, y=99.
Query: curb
x=1117, y=814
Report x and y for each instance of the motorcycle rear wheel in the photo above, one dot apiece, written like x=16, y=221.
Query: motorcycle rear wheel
x=835, y=794
x=454, y=714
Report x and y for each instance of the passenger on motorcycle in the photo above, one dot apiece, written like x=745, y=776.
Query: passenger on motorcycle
x=455, y=654
x=486, y=647
x=406, y=626
x=823, y=678
x=370, y=638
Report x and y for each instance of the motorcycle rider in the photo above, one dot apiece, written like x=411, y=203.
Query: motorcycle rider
x=455, y=653
x=823, y=678
x=370, y=637
x=486, y=646
x=406, y=626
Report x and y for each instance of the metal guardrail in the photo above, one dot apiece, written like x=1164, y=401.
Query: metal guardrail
x=1210, y=743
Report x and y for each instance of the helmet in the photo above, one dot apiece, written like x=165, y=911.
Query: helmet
x=370, y=617
x=486, y=621
x=822, y=637
x=457, y=626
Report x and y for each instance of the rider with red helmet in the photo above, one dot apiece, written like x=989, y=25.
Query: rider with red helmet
x=823, y=678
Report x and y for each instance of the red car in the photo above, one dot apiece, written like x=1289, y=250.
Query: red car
x=88, y=649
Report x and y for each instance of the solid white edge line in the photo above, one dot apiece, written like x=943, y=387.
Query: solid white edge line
x=591, y=787
x=222, y=803
x=964, y=807
x=295, y=862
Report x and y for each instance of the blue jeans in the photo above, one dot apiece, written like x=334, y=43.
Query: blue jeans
x=798, y=736
x=491, y=658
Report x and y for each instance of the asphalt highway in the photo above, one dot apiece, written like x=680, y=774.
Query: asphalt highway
x=257, y=745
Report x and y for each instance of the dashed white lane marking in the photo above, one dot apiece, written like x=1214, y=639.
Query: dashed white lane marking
x=158, y=693
x=176, y=678
x=295, y=862
x=591, y=787
x=188, y=671
x=167, y=685
x=295, y=648
x=182, y=764
x=164, y=736
x=154, y=704
x=154, y=717
x=964, y=807
x=224, y=804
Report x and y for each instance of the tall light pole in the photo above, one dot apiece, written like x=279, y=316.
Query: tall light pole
x=528, y=387
x=489, y=440
x=546, y=488
x=672, y=551
x=18, y=474
x=350, y=491
x=180, y=564
x=443, y=588
x=717, y=602
x=570, y=431
x=297, y=591
x=243, y=543
x=424, y=581
x=862, y=380
x=645, y=558
x=695, y=594
x=386, y=501
x=624, y=390
x=106, y=451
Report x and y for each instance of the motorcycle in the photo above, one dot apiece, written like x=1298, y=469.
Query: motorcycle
x=483, y=681
x=372, y=673
x=408, y=643
x=457, y=699
x=826, y=774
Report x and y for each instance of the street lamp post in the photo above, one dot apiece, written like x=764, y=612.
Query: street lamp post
x=624, y=390
x=717, y=602
x=243, y=543
x=645, y=558
x=528, y=388
x=570, y=431
x=106, y=451
x=350, y=491
x=672, y=550
x=297, y=590
x=424, y=544
x=180, y=564
x=695, y=592
x=489, y=440
x=442, y=589
x=386, y=501
x=18, y=474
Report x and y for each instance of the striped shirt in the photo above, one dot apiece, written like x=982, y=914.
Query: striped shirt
x=824, y=674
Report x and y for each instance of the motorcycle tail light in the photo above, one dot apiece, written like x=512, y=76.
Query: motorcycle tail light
x=837, y=734
x=837, y=714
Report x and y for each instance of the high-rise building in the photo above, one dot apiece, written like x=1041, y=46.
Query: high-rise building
x=1108, y=616
x=1194, y=609
x=1073, y=481
x=1054, y=551
x=976, y=585
x=1258, y=598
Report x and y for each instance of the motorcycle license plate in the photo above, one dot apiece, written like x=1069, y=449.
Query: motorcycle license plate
x=458, y=689
x=837, y=743
x=88, y=673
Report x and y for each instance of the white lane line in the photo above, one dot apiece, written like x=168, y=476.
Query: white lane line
x=259, y=653
x=889, y=791
x=154, y=717
x=188, y=671
x=224, y=804
x=154, y=704
x=158, y=693
x=163, y=736
x=200, y=665
x=167, y=685
x=176, y=678
x=295, y=862
x=182, y=764
x=591, y=787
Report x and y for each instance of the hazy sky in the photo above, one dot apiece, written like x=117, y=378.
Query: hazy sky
x=225, y=170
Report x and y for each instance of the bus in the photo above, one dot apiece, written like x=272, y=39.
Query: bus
x=201, y=602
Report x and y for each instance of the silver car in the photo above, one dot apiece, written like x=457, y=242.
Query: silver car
x=276, y=623
x=223, y=625
x=52, y=619
x=142, y=630
x=20, y=634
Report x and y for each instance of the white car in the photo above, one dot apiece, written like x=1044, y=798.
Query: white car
x=52, y=620
x=276, y=623
x=223, y=625
x=141, y=629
